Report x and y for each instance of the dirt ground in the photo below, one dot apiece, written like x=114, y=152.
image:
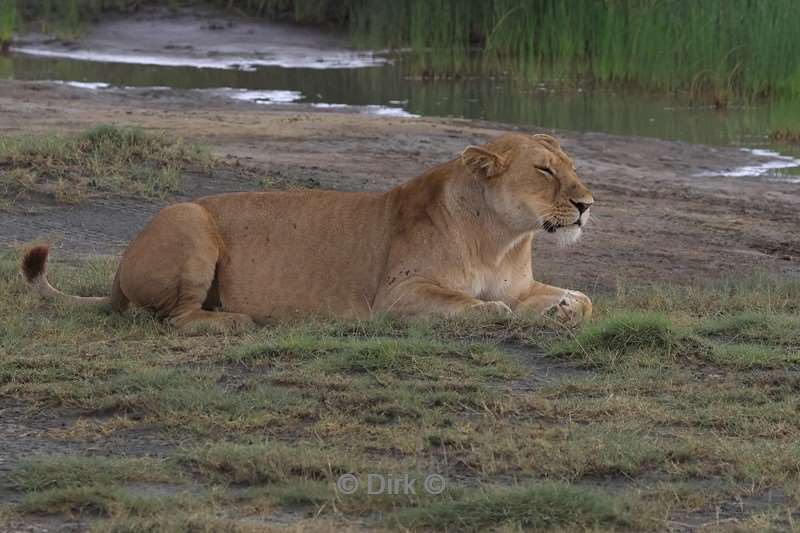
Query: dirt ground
x=654, y=220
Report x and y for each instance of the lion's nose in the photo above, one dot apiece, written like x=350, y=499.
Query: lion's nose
x=581, y=206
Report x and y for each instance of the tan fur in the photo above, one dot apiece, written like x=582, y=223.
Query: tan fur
x=456, y=239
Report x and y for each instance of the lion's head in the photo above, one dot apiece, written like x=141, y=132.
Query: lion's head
x=531, y=184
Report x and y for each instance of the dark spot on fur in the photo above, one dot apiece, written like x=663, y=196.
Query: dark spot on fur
x=34, y=262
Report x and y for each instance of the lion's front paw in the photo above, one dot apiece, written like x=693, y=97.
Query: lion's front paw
x=492, y=308
x=573, y=308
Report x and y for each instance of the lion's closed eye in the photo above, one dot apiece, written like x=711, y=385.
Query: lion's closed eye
x=546, y=171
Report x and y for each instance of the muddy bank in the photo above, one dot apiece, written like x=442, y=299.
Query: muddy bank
x=654, y=218
x=203, y=38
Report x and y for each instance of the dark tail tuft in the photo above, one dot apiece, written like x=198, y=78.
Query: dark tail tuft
x=34, y=261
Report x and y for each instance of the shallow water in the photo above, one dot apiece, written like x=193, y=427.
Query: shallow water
x=393, y=89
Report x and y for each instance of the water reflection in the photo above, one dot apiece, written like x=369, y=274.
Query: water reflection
x=502, y=100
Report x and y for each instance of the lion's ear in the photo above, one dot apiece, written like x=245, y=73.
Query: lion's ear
x=549, y=140
x=483, y=163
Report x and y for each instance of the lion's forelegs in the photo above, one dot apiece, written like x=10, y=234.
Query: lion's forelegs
x=566, y=305
x=430, y=298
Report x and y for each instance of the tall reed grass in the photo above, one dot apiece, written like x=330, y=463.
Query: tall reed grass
x=724, y=47
x=719, y=48
x=64, y=18
x=8, y=22
x=328, y=12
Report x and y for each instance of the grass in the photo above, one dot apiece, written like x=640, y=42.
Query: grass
x=410, y=356
x=718, y=50
x=747, y=355
x=260, y=463
x=786, y=135
x=102, y=500
x=99, y=161
x=199, y=521
x=674, y=404
x=8, y=23
x=744, y=340
x=625, y=332
x=543, y=507
x=64, y=472
x=66, y=19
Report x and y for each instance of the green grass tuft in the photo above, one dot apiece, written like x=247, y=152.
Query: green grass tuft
x=58, y=472
x=754, y=327
x=410, y=355
x=623, y=333
x=546, y=506
x=759, y=293
x=104, y=501
x=102, y=160
x=272, y=462
x=748, y=355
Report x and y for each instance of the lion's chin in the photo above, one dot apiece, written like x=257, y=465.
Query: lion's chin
x=568, y=235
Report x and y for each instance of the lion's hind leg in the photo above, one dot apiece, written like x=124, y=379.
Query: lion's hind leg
x=200, y=321
x=188, y=314
x=170, y=268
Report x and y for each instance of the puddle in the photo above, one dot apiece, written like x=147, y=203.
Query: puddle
x=385, y=111
x=331, y=60
x=769, y=169
x=92, y=86
x=260, y=97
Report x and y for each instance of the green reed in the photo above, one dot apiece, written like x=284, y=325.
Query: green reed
x=326, y=12
x=8, y=22
x=722, y=49
x=66, y=18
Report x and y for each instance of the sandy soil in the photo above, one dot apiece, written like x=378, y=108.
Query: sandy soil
x=653, y=220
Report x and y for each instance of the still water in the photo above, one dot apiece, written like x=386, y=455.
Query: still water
x=394, y=89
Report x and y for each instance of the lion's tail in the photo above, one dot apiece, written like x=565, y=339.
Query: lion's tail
x=34, y=268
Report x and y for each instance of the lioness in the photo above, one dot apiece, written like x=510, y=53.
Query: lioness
x=455, y=239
